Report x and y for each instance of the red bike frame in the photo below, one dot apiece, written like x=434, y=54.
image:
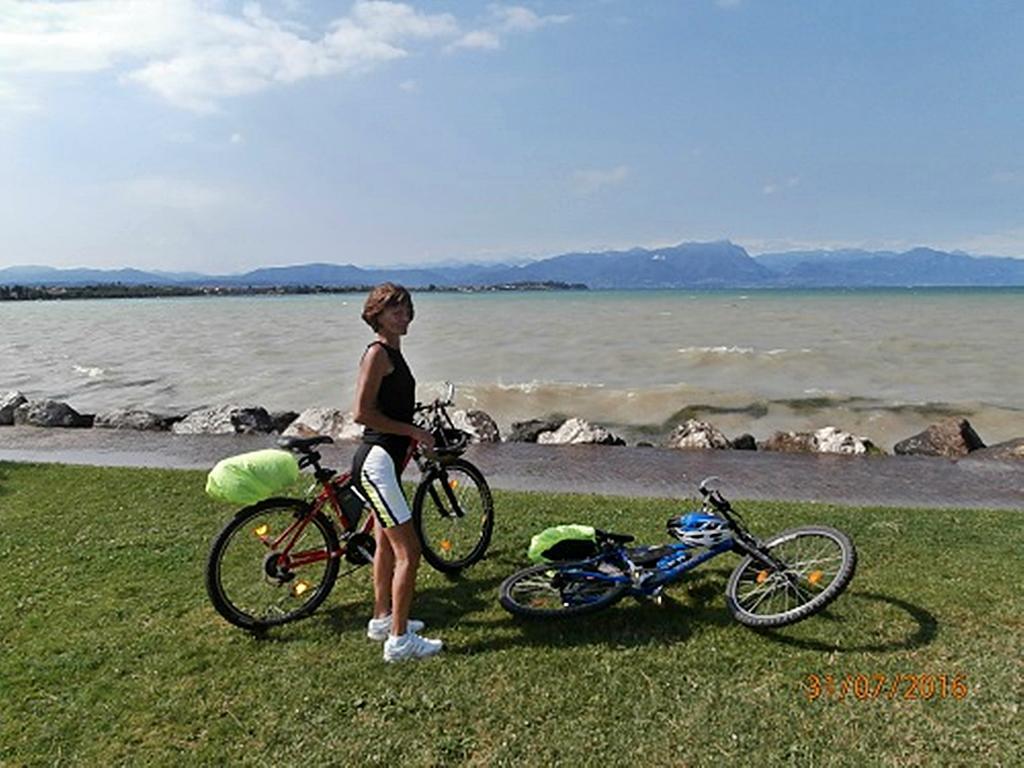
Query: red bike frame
x=328, y=496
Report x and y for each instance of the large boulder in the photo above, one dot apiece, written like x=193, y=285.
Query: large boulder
x=951, y=438
x=528, y=431
x=224, y=420
x=50, y=413
x=9, y=402
x=744, y=442
x=789, y=442
x=824, y=440
x=481, y=427
x=696, y=435
x=128, y=418
x=579, y=431
x=1005, y=451
x=325, y=421
x=282, y=419
x=248, y=421
x=832, y=440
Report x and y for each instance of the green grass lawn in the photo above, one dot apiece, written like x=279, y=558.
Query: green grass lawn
x=110, y=652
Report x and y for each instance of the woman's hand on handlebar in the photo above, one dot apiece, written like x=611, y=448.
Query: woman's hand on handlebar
x=424, y=438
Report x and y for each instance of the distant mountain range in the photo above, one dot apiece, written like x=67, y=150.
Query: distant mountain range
x=687, y=265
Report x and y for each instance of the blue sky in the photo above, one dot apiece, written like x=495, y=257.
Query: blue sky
x=221, y=136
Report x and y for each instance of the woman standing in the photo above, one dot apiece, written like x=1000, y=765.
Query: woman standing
x=385, y=402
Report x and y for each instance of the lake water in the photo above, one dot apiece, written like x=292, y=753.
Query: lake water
x=883, y=363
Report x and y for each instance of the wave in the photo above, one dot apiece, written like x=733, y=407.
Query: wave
x=734, y=350
x=91, y=372
x=652, y=413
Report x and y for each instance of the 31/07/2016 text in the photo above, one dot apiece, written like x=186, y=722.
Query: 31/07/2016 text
x=863, y=687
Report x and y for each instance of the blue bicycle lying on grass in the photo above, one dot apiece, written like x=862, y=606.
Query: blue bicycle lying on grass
x=781, y=580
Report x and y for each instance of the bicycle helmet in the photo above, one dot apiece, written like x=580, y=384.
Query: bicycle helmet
x=699, y=529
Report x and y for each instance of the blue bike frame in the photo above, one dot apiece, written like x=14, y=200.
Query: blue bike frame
x=645, y=580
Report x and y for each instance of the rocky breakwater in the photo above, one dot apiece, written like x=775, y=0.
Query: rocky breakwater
x=951, y=438
x=340, y=425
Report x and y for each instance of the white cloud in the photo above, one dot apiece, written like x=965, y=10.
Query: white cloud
x=516, y=18
x=775, y=186
x=88, y=35
x=503, y=20
x=194, y=53
x=587, y=182
x=409, y=86
x=166, y=192
x=236, y=138
x=479, y=39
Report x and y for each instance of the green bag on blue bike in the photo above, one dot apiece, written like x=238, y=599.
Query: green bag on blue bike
x=251, y=477
x=563, y=542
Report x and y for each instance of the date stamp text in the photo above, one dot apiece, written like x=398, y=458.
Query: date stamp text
x=873, y=687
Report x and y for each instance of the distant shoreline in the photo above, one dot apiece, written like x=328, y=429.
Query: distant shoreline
x=119, y=291
x=12, y=293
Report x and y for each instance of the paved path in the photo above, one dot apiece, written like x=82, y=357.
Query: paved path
x=910, y=481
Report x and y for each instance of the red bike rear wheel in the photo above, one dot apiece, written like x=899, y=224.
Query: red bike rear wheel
x=272, y=564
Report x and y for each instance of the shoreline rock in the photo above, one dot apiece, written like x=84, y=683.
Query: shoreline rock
x=50, y=413
x=333, y=422
x=825, y=440
x=9, y=403
x=128, y=418
x=528, y=431
x=744, y=442
x=480, y=426
x=579, y=432
x=1012, y=450
x=697, y=435
x=951, y=438
x=224, y=420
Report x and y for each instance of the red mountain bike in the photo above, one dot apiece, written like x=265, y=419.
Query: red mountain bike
x=277, y=561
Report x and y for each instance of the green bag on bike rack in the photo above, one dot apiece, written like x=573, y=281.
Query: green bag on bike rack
x=251, y=477
x=563, y=542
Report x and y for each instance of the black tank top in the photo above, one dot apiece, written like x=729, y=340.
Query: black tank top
x=396, y=399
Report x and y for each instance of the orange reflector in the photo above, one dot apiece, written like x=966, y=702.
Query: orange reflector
x=453, y=484
x=814, y=577
x=446, y=545
x=261, y=530
x=300, y=587
x=762, y=577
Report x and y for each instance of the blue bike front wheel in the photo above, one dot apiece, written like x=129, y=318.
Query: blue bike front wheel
x=561, y=590
x=817, y=562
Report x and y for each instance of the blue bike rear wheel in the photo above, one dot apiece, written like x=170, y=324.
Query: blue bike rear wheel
x=561, y=590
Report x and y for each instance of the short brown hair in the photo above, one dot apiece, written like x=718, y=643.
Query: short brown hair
x=383, y=296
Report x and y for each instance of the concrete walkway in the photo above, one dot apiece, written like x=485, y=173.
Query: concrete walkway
x=905, y=481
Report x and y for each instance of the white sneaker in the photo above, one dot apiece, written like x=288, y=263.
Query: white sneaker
x=410, y=646
x=379, y=629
